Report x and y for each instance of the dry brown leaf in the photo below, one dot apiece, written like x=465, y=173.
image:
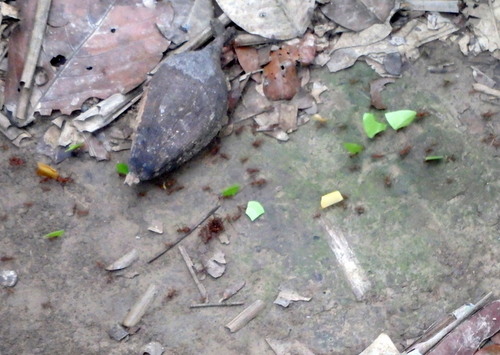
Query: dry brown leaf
x=271, y=18
x=90, y=49
x=280, y=76
x=248, y=57
x=357, y=15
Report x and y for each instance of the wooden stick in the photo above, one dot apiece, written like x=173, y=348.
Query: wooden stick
x=190, y=266
x=170, y=246
x=486, y=89
x=204, y=305
x=35, y=46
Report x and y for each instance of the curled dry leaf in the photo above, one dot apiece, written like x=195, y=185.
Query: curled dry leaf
x=90, y=49
x=357, y=15
x=376, y=87
x=272, y=19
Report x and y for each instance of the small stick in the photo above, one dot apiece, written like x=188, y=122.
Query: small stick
x=203, y=305
x=212, y=211
x=486, y=90
x=35, y=45
x=189, y=264
x=139, y=308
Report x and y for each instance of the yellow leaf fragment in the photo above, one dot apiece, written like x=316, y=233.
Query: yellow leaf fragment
x=319, y=118
x=331, y=199
x=46, y=170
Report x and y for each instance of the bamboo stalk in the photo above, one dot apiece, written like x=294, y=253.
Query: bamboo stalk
x=139, y=308
x=246, y=316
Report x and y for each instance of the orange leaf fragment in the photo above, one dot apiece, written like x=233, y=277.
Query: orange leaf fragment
x=46, y=170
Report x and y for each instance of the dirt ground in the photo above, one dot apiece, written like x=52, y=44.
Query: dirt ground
x=428, y=240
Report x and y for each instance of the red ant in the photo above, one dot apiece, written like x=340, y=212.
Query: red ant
x=259, y=182
x=257, y=143
x=405, y=151
x=184, y=230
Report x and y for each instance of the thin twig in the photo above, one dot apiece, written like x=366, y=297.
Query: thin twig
x=170, y=246
x=190, y=266
x=204, y=305
x=35, y=46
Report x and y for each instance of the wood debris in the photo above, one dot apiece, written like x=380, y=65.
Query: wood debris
x=246, y=316
x=231, y=291
x=124, y=261
x=192, y=272
x=140, y=307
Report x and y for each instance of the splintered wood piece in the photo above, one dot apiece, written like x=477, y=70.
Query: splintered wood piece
x=231, y=291
x=190, y=266
x=246, y=316
x=124, y=261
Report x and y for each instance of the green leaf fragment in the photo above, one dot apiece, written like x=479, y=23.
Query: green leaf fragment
x=54, y=234
x=434, y=157
x=254, y=210
x=372, y=126
x=122, y=168
x=231, y=190
x=401, y=118
x=73, y=147
x=353, y=148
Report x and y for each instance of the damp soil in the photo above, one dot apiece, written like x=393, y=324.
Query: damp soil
x=427, y=235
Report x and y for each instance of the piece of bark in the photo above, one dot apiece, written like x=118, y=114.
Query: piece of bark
x=124, y=261
x=231, y=291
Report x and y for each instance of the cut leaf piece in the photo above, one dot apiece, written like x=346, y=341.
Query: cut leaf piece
x=331, y=199
x=122, y=168
x=400, y=119
x=54, y=234
x=254, y=210
x=372, y=126
x=230, y=191
x=434, y=157
x=46, y=170
x=353, y=148
x=73, y=147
